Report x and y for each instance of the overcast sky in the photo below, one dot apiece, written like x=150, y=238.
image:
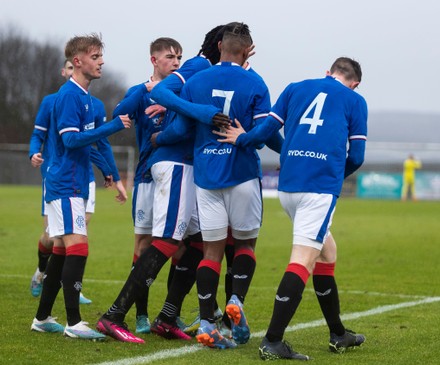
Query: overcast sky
x=397, y=42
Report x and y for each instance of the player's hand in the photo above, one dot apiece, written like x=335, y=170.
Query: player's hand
x=221, y=120
x=122, y=196
x=154, y=110
x=250, y=52
x=108, y=181
x=37, y=160
x=125, y=121
x=153, y=139
x=230, y=133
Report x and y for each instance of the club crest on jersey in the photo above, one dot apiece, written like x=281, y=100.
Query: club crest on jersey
x=89, y=126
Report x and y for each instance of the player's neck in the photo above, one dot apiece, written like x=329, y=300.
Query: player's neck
x=81, y=80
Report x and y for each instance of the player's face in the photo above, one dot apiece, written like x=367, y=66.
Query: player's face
x=67, y=70
x=90, y=63
x=165, y=62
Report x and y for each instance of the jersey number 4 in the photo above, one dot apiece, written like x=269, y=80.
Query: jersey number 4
x=317, y=104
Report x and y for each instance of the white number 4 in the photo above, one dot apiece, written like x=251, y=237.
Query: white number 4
x=315, y=121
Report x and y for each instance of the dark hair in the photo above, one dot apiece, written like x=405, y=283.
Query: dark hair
x=237, y=37
x=348, y=67
x=209, y=47
x=165, y=43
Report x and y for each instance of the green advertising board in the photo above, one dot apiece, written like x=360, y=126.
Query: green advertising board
x=381, y=185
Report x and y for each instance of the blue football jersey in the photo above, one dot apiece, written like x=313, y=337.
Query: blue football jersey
x=239, y=94
x=167, y=93
x=136, y=100
x=38, y=142
x=320, y=117
x=72, y=131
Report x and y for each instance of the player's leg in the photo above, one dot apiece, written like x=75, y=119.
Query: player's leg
x=45, y=244
x=311, y=214
x=171, y=220
x=90, y=210
x=74, y=237
x=214, y=225
x=142, y=214
x=244, y=207
x=328, y=297
x=166, y=233
x=43, y=321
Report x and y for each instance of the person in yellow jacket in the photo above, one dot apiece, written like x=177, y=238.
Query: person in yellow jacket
x=409, y=177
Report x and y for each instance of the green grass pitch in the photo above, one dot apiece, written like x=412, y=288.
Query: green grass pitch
x=387, y=274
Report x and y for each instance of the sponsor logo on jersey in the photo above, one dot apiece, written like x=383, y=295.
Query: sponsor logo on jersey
x=311, y=154
x=217, y=151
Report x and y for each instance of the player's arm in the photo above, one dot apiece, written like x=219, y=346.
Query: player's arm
x=355, y=156
x=256, y=136
x=175, y=132
x=39, y=134
x=99, y=161
x=165, y=94
x=357, y=137
x=129, y=105
x=72, y=138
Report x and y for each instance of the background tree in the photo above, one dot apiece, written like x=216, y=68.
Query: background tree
x=30, y=70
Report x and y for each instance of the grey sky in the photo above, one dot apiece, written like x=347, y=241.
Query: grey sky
x=396, y=41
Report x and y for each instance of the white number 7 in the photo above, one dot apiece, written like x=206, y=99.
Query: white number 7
x=315, y=121
x=228, y=98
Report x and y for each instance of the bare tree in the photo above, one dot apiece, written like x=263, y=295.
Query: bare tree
x=30, y=70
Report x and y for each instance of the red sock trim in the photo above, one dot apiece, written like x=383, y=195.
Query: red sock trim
x=197, y=245
x=299, y=270
x=78, y=249
x=168, y=249
x=135, y=258
x=213, y=265
x=44, y=249
x=60, y=251
x=322, y=268
x=245, y=251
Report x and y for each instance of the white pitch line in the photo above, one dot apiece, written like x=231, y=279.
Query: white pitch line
x=167, y=354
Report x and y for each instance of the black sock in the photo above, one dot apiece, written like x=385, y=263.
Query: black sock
x=229, y=255
x=243, y=269
x=142, y=276
x=207, y=284
x=73, y=272
x=327, y=293
x=43, y=258
x=287, y=300
x=51, y=286
x=171, y=274
x=183, y=280
x=142, y=301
